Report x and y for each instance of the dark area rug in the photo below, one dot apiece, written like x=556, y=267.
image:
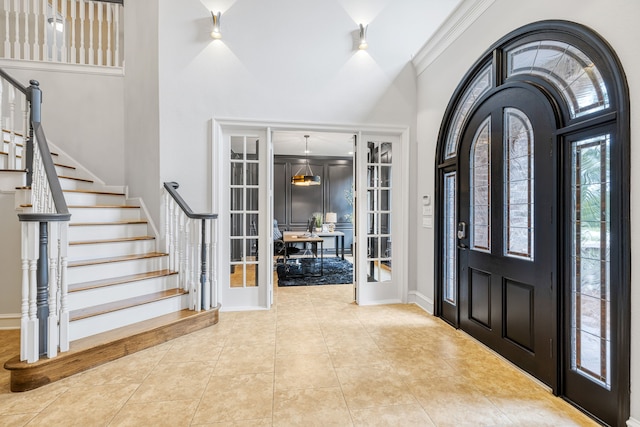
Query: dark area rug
x=306, y=271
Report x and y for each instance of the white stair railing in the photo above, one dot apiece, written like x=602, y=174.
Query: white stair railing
x=81, y=32
x=44, y=310
x=191, y=241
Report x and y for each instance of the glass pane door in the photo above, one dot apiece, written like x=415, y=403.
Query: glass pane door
x=379, y=212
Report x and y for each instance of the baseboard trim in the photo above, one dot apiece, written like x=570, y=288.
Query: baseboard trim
x=421, y=301
x=10, y=321
x=632, y=422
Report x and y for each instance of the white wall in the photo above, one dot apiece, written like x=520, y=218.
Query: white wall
x=291, y=61
x=616, y=21
x=82, y=113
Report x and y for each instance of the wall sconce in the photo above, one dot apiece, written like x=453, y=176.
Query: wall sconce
x=363, y=45
x=216, y=34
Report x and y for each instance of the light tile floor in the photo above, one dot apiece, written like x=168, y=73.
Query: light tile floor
x=315, y=359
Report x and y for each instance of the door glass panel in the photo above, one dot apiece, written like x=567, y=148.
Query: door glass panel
x=477, y=88
x=518, y=184
x=243, y=206
x=379, y=212
x=567, y=68
x=590, y=259
x=450, y=266
x=480, y=188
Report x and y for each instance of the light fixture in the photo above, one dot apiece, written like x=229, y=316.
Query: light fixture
x=363, y=45
x=308, y=178
x=331, y=218
x=216, y=34
x=56, y=23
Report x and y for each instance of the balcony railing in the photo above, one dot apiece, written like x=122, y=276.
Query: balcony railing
x=63, y=31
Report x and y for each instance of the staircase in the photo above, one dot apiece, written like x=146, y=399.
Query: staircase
x=122, y=295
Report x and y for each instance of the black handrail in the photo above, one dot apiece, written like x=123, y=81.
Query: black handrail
x=171, y=188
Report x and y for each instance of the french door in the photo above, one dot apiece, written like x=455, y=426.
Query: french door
x=379, y=234
x=244, y=214
x=507, y=232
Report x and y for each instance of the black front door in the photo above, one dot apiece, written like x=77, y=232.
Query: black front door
x=507, y=234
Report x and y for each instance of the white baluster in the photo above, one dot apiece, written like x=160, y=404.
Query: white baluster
x=109, y=33
x=82, y=6
x=63, y=48
x=91, y=48
x=12, y=128
x=165, y=221
x=7, y=42
x=52, y=321
x=32, y=325
x=170, y=226
x=1, y=115
x=25, y=132
x=116, y=18
x=198, y=284
x=45, y=33
x=175, y=264
x=186, y=284
x=194, y=283
x=74, y=6
x=36, y=31
x=64, y=304
x=214, y=263
x=100, y=24
x=24, y=309
x=26, y=47
x=181, y=249
x=16, y=40
x=206, y=298
x=54, y=26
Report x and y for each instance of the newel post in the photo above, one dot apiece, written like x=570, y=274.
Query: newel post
x=34, y=96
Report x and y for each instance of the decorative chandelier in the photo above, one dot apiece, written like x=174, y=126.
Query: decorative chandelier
x=307, y=178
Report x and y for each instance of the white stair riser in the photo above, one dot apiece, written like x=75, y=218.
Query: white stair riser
x=107, y=294
x=106, y=322
x=103, y=214
x=85, y=233
x=64, y=171
x=92, y=199
x=111, y=249
x=72, y=184
x=91, y=272
x=10, y=180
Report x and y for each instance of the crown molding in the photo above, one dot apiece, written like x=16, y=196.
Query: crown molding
x=462, y=17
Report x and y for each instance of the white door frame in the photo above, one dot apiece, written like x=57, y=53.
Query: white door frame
x=400, y=220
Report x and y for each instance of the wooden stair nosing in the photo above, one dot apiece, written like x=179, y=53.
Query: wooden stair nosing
x=106, y=193
x=95, y=261
x=73, y=178
x=96, y=350
x=103, y=206
x=13, y=170
x=4, y=153
x=121, y=222
x=77, y=287
x=96, y=310
x=119, y=240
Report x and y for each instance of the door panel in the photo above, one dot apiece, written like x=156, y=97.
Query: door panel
x=507, y=263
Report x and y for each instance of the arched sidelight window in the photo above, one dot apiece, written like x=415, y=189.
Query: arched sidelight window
x=533, y=189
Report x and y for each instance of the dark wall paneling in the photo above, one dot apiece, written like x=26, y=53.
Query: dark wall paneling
x=293, y=206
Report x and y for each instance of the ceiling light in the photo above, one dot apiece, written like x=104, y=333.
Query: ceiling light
x=308, y=178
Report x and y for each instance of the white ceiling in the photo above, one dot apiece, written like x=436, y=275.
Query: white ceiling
x=292, y=143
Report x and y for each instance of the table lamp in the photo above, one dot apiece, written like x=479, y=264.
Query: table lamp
x=331, y=218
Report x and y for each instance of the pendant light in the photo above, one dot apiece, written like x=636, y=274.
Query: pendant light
x=308, y=178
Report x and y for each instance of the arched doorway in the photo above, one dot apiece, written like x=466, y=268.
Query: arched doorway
x=533, y=234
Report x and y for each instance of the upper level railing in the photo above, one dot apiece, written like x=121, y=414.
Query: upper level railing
x=44, y=322
x=63, y=31
x=191, y=239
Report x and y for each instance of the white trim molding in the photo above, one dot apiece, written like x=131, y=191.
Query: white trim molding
x=21, y=64
x=422, y=301
x=467, y=12
x=632, y=422
x=10, y=321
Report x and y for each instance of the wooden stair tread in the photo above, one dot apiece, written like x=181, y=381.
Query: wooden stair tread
x=118, y=240
x=76, y=287
x=107, y=193
x=115, y=259
x=13, y=170
x=101, y=348
x=75, y=179
x=122, y=222
x=104, y=206
x=65, y=166
x=109, y=307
